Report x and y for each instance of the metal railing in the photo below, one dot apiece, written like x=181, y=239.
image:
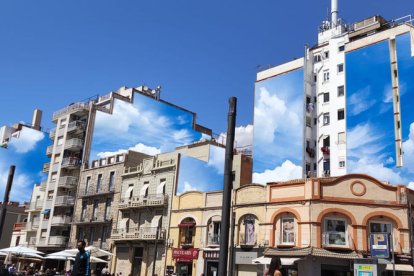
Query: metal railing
x=213, y=239
x=64, y=201
x=61, y=220
x=46, y=167
x=58, y=240
x=74, y=143
x=71, y=162
x=76, y=125
x=71, y=108
x=68, y=182
x=49, y=150
x=136, y=169
x=33, y=225
x=36, y=205
x=138, y=233
x=139, y=202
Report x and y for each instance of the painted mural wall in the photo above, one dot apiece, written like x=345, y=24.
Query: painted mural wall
x=278, y=128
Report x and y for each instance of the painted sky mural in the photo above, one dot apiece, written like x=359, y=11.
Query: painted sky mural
x=370, y=123
x=146, y=125
x=278, y=123
x=198, y=175
x=27, y=152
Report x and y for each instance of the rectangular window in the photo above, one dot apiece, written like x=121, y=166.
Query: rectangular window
x=341, y=114
x=288, y=231
x=326, y=119
x=99, y=184
x=326, y=97
x=57, y=158
x=95, y=209
x=380, y=227
x=60, y=141
x=341, y=91
x=91, y=235
x=111, y=181
x=326, y=54
x=342, y=164
x=317, y=58
x=83, y=212
x=108, y=208
x=308, y=121
x=341, y=138
x=88, y=182
x=340, y=68
x=63, y=123
x=326, y=75
x=53, y=177
x=341, y=48
x=335, y=232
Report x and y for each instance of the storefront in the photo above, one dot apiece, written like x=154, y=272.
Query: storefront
x=184, y=259
x=211, y=262
x=244, y=262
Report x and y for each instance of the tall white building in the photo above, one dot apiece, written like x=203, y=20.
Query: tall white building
x=342, y=107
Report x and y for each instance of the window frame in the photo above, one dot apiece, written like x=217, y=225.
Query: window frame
x=341, y=111
x=325, y=231
x=282, y=231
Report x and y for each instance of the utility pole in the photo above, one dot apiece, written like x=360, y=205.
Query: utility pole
x=228, y=185
x=6, y=197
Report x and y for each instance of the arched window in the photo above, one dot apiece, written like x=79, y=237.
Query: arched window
x=382, y=227
x=248, y=235
x=335, y=231
x=187, y=232
x=213, y=229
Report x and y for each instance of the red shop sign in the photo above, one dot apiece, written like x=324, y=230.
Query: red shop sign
x=190, y=254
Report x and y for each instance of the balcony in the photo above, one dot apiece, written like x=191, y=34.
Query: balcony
x=46, y=167
x=32, y=241
x=52, y=133
x=65, y=201
x=134, y=170
x=247, y=240
x=58, y=241
x=142, y=202
x=76, y=127
x=74, y=144
x=61, y=220
x=78, y=219
x=136, y=233
x=33, y=225
x=81, y=107
x=164, y=164
x=44, y=224
x=48, y=204
x=19, y=226
x=91, y=193
x=42, y=186
x=68, y=182
x=49, y=150
x=52, y=186
x=325, y=150
x=71, y=163
x=35, y=206
x=213, y=240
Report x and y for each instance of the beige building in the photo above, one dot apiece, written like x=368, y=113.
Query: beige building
x=14, y=223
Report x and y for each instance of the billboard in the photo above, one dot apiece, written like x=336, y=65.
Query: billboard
x=27, y=151
x=278, y=128
x=202, y=174
x=146, y=125
x=370, y=114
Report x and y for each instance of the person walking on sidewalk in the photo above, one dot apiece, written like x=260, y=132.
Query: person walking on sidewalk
x=81, y=267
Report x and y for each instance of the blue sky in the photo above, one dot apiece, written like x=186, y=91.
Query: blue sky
x=370, y=122
x=30, y=145
x=278, y=125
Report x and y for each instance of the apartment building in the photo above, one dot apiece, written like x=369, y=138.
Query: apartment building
x=97, y=199
x=352, y=84
x=145, y=206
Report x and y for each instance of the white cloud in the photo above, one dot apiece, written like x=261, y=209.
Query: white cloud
x=216, y=159
x=286, y=171
x=408, y=149
x=138, y=147
x=21, y=187
x=363, y=140
x=27, y=140
x=188, y=187
x=119, y=121
x=375, y=169
x=389, y=161
x=411, y=185
x=360, y=101
x=243, y=137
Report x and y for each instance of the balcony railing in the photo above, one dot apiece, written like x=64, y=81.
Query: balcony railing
x=138, y=233
x=61, y=220
x=98, y=218
x=71, y=162
x=76, y=126
x=52, y=133
x=46, y=167
x=247, y=240
x=43, y=185
x=213, y=240
x=68, y=182
x=49, y=150
x=58, y=241
x=44, y=224
x=36, y=205
x=140, y=202
x=76, y=107
x=32, y=241
x=132, y=170
x=52, y=185
x=74, y=144
x=33, y=225
x=65, y=201
x=19, y=226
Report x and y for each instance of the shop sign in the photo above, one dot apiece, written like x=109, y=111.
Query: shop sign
x=188, y=254
x=211, y=254
x=379, y=245
x=245, y=257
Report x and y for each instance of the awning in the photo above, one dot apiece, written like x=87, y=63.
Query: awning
x=155, y=221
x=266, y=260
x=186, y=225
x=128, y=192
x=123, y=223
x=143, y=190
x=160, y=188
x=310, y=251
x=400, y=267
x=46, y=211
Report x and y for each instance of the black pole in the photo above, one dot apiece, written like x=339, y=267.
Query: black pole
x=155, y=250
x=6, y=197
x=228, y=183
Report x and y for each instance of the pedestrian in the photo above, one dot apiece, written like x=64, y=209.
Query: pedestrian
x=12, y=270
x=274, y=267
x=81, y=266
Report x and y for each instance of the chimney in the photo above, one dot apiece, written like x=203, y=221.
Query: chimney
x=334, y=13
x=37, y=119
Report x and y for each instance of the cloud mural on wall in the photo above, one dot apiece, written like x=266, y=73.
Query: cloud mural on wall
x=27, y=151
x=278, y=124
x=370, y=118
x=146, y=125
